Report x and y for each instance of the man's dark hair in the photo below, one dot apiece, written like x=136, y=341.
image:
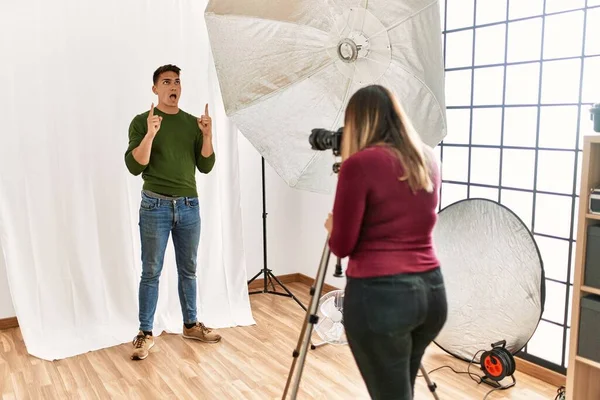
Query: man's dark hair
x=163, y=69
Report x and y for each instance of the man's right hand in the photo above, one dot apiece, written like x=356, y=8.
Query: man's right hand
x=154, y=122
x=142, y=152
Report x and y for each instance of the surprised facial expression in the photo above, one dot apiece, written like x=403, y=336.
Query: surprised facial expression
x=168, y=89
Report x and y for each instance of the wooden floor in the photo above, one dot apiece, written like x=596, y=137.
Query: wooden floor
x=250, y=363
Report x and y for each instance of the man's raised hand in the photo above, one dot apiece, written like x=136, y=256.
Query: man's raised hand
x=154, y=122
x=205, y=123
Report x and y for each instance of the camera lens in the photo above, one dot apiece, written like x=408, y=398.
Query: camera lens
x=321, y=139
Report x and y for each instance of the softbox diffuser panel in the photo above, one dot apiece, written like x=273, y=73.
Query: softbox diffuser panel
x=286, y=67
x=494, y=278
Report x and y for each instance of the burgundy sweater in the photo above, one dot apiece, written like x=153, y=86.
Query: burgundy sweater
x=378, y=222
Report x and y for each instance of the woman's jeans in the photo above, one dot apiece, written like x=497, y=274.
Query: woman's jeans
x=389, y=322
x=159, y=217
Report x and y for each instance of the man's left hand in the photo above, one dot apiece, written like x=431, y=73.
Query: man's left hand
x=205, y=123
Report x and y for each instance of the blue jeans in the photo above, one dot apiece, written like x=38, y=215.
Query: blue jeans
x=389, y=322
x=159, y=217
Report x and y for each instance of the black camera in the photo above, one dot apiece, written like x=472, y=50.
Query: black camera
x=322, y=139
x=595, y=111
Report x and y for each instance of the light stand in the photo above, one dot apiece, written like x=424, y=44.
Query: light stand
x=266, y=272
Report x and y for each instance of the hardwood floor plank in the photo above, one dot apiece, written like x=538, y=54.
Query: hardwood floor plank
x=250, y=363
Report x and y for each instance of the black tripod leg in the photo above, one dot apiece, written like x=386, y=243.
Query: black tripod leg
x=268, y=275
x=289, y=294
x=254, y=277
x=310, y=320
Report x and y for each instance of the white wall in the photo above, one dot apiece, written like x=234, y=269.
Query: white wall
x=295, y=221
x=295, y=231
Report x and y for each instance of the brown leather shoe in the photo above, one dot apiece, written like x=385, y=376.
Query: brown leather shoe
x=141, y=346
x=202, y=333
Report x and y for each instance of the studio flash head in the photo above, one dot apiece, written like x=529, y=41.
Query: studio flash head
x=322, y=139
x=595, y=111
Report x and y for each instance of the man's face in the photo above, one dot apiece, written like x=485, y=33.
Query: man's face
x=168, y=89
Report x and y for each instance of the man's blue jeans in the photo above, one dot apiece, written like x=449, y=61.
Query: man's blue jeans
x=159, y=217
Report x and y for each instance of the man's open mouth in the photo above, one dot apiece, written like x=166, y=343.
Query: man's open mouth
x=173, y=97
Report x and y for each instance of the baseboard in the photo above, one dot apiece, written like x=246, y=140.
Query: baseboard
x=8, y=323
x=539, y=372
x=307, y=280
x=259, y=283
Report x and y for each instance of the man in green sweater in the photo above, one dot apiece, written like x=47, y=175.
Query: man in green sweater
x=166, y=146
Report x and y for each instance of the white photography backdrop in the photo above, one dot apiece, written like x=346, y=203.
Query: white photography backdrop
x=75, y=74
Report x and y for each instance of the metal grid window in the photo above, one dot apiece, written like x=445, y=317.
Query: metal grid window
x=520, y=79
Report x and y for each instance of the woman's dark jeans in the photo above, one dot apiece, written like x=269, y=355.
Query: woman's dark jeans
x=389, y=322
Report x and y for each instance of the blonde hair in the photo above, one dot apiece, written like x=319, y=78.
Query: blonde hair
x=375, y=117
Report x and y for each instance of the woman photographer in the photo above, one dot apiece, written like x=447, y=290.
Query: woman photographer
x=383, y=216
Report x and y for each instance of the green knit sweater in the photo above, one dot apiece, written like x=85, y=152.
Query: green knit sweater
x=176, y=153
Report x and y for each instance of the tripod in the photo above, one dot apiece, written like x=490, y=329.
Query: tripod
x=310, y=320
x=268, y=276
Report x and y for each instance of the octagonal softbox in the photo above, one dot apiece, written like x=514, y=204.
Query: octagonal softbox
x=494, y=278
x=287, y=67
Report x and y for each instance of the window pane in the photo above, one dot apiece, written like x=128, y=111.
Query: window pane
x=558, y=127
x=487, y=125
x=485, y=166
x=556, y=171
x=459, y=47
x=460, y=13
x=556, y=296
x=522, y=83
x=455, y=164
x=563, y=5
x=563, y=35
x=592, y=44
x=518, y=168
x=451, y=193
x=560, y=81
x=553, y=215
x=483, y=193
x=489, y=44
x=547, y=342
x=459, y=122
x=489, y=11
x=521, y=203
x=591, y=82
x=524, y=40
x=520, y=9
x=555, y=254
x=592, y=3
x=520, y=125
x=488, y=86
x=458, y=88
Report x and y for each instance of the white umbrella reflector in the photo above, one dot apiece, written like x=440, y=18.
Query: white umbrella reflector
x=288, y=66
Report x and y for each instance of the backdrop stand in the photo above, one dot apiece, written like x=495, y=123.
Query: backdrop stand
x=267, y=274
